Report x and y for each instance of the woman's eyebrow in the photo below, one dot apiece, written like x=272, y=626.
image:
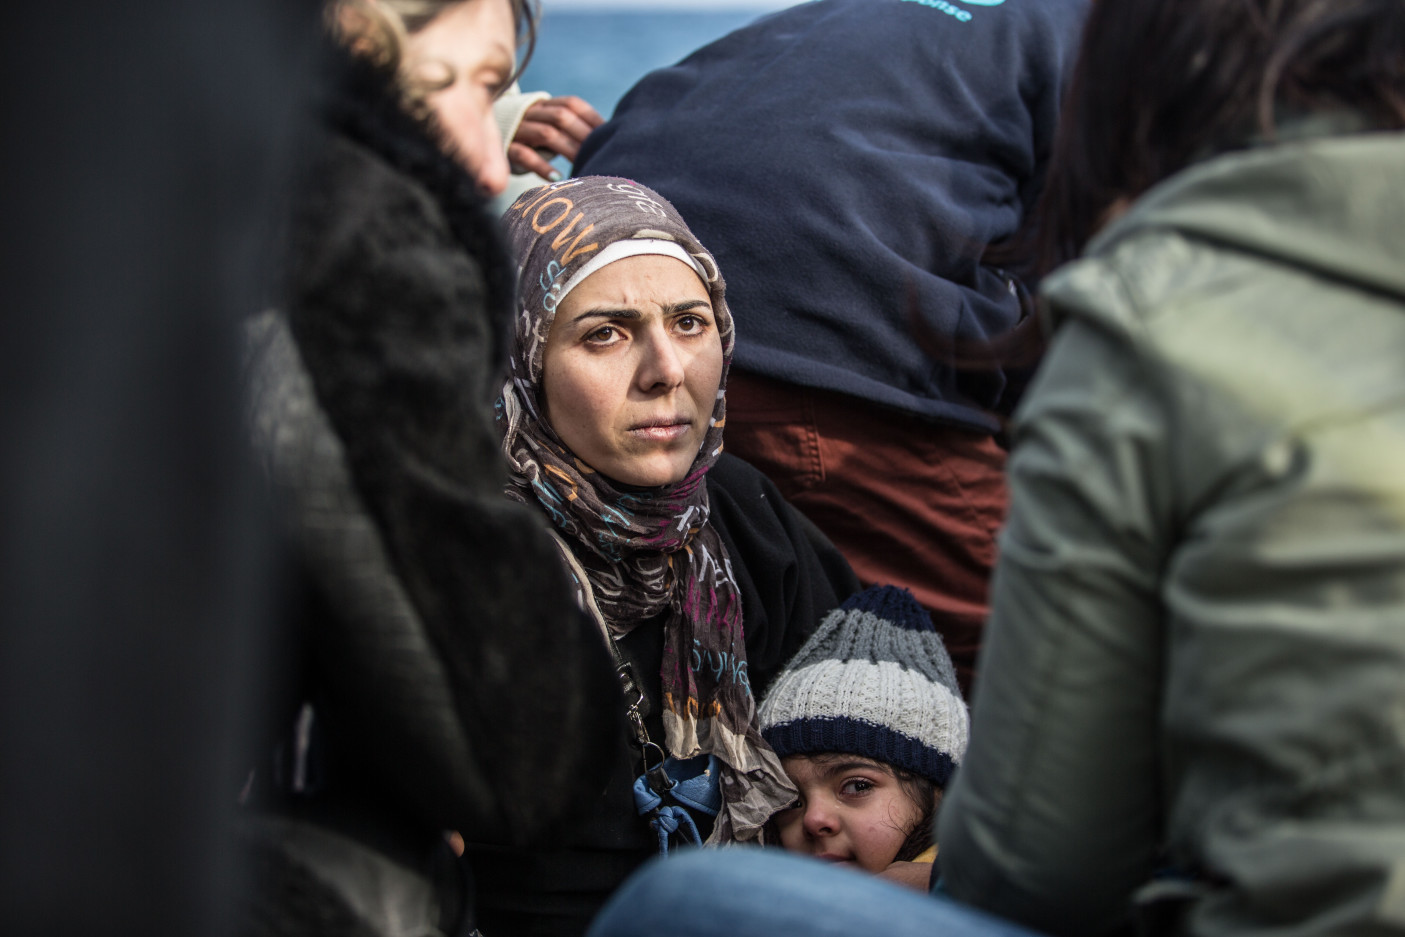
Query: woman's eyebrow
x=501, y=58
x=607, y=312
x=687, y=304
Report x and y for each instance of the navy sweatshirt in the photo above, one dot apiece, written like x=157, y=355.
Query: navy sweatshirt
x=845, y=158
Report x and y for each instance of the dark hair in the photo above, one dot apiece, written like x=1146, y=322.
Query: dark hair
x=1161, y=83
x=525, y=14
x=925, y=795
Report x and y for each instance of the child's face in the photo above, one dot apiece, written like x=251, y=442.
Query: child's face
x=852, y=811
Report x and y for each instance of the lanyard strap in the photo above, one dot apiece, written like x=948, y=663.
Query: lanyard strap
x=636, y=701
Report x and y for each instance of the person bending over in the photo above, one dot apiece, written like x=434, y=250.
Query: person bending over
x=850, y=161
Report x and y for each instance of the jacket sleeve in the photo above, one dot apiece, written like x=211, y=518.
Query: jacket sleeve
x=1053, y=817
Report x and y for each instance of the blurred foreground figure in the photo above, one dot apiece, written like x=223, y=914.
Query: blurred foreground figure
x=143, y=148
x=1194, y=678
x=1189, y=705
x=446, y=680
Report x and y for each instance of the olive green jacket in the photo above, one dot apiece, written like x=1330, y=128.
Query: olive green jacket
x=1194, y=672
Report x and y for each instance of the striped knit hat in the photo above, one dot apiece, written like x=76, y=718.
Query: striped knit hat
x=874, y=680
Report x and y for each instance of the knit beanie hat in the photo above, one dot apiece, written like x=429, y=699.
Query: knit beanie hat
x=874, y=680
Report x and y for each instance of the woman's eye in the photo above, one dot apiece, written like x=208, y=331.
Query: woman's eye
x=603, y=335
x=690, y=325
x=494, y=81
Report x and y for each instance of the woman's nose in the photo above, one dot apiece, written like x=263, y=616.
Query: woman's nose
x=468, y=122
x=661, y=365
x=490, y=169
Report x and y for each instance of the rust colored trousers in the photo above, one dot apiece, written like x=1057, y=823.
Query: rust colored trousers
x=907, y=501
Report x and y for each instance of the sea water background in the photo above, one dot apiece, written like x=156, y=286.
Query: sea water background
x=599, y=53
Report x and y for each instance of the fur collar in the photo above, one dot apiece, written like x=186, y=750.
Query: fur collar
x=363, y=104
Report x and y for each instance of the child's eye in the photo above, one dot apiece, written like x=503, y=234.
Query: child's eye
x=788, y=815
x=857, y=786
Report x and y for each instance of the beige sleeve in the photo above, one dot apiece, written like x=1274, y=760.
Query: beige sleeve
x=511, y=107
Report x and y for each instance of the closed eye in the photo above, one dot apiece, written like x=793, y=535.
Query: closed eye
x=495, y=81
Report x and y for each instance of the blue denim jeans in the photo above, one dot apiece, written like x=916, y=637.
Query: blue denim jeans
x=768, y=893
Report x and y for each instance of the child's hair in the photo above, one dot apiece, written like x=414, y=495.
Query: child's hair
x=926, y=796
x=874, y=680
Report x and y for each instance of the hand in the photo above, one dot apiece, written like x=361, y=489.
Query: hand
x=916, y=875
x=557, y=126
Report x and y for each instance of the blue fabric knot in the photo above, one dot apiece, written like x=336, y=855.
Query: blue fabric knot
x=695, y=784
x=667, y=821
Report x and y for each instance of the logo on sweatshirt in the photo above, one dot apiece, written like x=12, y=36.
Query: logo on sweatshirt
x=951, y=9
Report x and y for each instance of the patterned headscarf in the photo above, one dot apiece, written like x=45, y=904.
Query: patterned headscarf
x=644, y=552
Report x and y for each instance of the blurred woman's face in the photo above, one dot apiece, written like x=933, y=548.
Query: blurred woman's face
x=632, y=368
x=475, y=42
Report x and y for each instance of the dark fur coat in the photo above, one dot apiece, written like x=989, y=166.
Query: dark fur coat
x=453, y=683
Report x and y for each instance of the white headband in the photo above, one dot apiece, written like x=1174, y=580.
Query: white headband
x=631, y=247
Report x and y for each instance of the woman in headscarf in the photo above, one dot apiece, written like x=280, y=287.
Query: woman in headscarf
x=704, y=579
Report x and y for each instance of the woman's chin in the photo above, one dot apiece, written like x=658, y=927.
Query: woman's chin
x=652, y=463
x=658, y=472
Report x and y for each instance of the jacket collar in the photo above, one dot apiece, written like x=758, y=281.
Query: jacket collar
x=1334, y=204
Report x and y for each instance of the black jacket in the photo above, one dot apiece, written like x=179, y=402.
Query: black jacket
x=789, y=576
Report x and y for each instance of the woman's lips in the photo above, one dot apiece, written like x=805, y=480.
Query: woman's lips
x=662, y=431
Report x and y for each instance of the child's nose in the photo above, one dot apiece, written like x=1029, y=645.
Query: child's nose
x=820, y=819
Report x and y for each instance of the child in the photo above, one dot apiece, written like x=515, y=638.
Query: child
x=869, y=724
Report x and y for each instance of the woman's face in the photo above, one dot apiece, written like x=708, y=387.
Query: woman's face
x=476, y=42
x=853, y=811
x=631, y=370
